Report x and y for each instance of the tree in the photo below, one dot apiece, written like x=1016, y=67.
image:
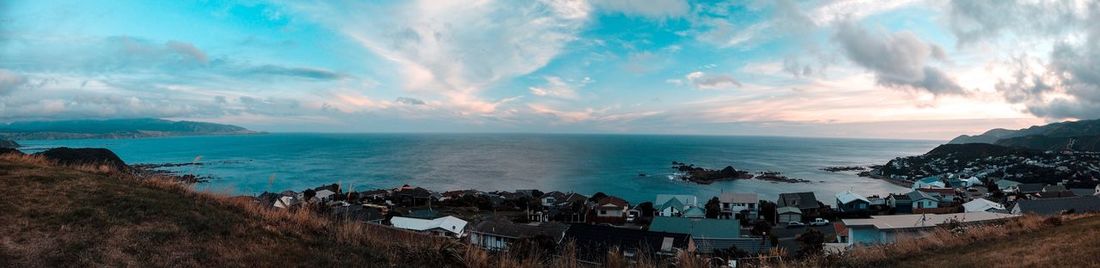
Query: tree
x=596, y=197
x=647, y=210
x=714, y=208
x=761, y=227
x=767, y=210
x=812, y=242
x=309, y=194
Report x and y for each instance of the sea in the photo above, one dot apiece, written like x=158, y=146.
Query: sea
x=634, y=167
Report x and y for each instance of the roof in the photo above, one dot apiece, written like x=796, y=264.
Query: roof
x=1054, y=188
x=515, y=230
x=918, y=195
x=558, y=196
x=803, y=200
x=785, y=210
x=910, y=221
x=594, y=241
x=447, y=223
x=743, y=198
x=750, y=245
x=324, y=193
x=904, y=197
x=1006, y=183
x=1083, y=191
x=1055, y=206
x=613, y=201
x=982, y=204
x=1031, y=187
x=357, y=213
x=695, y=212
x=682, y=198
x=698, y=228
x=840, y=229
x=849, y=196
x=940, y=191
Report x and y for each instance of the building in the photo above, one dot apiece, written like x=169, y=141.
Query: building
x=886, y=229
x=668, y=205
x=448, y=226
x=552, y=199
x=929, y=182
x=921, y=200
x=804, y=201
x=695, y=212
x=1029, y=188
x=1006, y=185
x=1055, y=206
x=610, y=210
x=593, y=242
x=945, y=195
x=498, y=235
x=711, y=235
x=851, y=202
x=788, y=214
x=736, y=204
x=901, y=203
x=982, y=204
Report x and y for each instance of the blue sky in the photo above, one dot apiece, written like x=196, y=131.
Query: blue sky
x=886, y=69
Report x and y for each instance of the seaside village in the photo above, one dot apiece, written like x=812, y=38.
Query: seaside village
x=730, y=227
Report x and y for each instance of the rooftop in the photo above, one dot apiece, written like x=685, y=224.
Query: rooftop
x=698, y=228
x=923, y=220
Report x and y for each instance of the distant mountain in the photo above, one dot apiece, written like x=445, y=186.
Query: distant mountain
x=1081, y=135
x=113, y=128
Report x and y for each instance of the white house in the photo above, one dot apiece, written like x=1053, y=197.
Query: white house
x=449, y=226
x=734, y=203
x=886, y=229
x=668, y=205
x=850, y=202
x=324, y=195
x=286, y=202
x=788, y=214
x=922, y=199
x=981, y=204
x=498, y=235
x=929, y=182
x=972, y=181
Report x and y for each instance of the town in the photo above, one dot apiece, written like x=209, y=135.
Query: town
x=730, y=227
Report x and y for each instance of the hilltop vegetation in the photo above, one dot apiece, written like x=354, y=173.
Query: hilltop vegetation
x=113, y=128
x=1081, y=135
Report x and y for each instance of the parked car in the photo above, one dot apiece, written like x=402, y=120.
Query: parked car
x=819, y=222
x=795, y=224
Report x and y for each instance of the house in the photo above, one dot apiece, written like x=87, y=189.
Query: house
x=674, y=205
x=374, y=194
x=552, y=199
x=1083, y=191
x=736, y=204
x=1055, y=188
x=885, y=229
x=923, y=200
x=1055, y=206
x=804, y=201
x=593, y=242
x=1028, y=188
x=448, y=226
x=710, y=235
x=901, y=203
x=1006, y=185
x=412, y=197
x=611, y=210
x=498, y=235
x=286, y=202
x=971, y=182
x=841, y=232
x=945, y=195
x=323, y=195
x=851, y=202
x=982, y=204
x=695, y=212
x=930, y=181
x=788, y=214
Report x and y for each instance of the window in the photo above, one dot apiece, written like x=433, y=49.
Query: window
x=603, y=212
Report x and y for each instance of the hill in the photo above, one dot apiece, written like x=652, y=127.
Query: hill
x=113, y=128
x=54, y=216
x=1081, y=135
x=6, y=144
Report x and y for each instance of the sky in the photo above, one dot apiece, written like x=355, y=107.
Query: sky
x=902, y=69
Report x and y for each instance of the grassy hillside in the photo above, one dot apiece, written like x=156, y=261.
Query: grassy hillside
x=62, y=217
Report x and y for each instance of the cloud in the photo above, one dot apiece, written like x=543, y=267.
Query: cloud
x=973, y=21
x=9, y=81
x=311, y=73
x=556, y=87
x=653, y=9
x=457, y=50
x=187, y=49
x=701, y=80
x=409, y=101
x=898, y=60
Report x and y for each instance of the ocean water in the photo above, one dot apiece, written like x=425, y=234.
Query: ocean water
x=582, y=163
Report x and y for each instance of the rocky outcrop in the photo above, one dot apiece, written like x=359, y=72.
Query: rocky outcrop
x=85, y=156
x=6, y=144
